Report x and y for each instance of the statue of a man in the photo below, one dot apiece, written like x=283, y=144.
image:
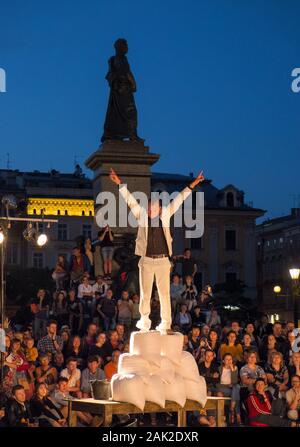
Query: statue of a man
x=121, y=116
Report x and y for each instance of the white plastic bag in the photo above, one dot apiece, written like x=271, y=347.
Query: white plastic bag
x=128, y=388
x=188, y=368
x=171, y=346
x=155, y=390
x=147, y=345
x=134, y=364
x=166, y=370
x=175, y=391
x=196, y=390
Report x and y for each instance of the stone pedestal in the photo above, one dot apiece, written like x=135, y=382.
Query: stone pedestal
x=132, y=162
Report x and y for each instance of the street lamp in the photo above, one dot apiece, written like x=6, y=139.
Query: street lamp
x=277, y=289
x=1, y=236
x=294, y=273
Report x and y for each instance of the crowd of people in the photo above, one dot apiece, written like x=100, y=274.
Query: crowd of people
x=75, y=334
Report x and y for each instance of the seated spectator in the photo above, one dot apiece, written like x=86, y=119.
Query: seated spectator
x=194, y=340
x=213, y=342
x=293, y=338
x=92, y=372
x=73, y=374
x=100, y=286
x=209, y=369
x=262, y=411
x=112, y=343
x=282, y=344
x=46, y=373
x=205, y=329
x=100, y=347
x=247, y=345
x=107, y=311
x=124, y=306
x=268, y=346
x=31, y=351
x=183, y=319
x=43, y=408
x=235, y=327
x=79, y=264
x=60, y=273
x=111, y=367
x=78, y=351
x=86, y=297
x=59, y=308
x=43, y=301
x=250, y=330
x=293, y=399
x=17, y=411
x=233, y=347
x=294, y=367
x=20, y=368
x=120, y=328
x=197, y=317
x=90, y=337
x=51, y=342
x=251, y=371
x=277, y=375
x=176, y=290
x=59, y=362
x=65, y=334
x=75, y=312
x=228, y=386
x=213, y=318
x=189, y=293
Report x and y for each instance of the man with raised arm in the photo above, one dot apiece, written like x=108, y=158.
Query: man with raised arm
x=154, y=246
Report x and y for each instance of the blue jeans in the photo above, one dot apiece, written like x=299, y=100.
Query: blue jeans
x=232, y=391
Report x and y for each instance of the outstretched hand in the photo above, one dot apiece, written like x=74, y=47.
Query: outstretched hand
x=114, y=177
x=199, y=179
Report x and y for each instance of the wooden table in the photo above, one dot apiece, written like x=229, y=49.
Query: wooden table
x=108, y=408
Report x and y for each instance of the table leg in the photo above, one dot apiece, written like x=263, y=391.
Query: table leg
x=107, y=415
x=182, y=418
x=70, y=413
x=220, y=413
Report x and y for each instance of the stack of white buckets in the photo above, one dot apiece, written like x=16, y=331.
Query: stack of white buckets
x=157, y=370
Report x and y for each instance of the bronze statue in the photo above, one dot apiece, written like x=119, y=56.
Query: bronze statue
x=121, y=116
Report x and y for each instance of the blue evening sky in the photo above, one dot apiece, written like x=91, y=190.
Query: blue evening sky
x=214, y=86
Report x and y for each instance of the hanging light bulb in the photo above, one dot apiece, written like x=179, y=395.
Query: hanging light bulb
x=41, y=239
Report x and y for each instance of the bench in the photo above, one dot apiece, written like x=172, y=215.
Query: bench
x=107, y=408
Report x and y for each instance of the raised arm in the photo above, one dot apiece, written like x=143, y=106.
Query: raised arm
x=180, y=198
x=127, y=196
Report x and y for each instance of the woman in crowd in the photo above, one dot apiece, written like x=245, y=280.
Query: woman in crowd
x=267, y=348
x=46, y=373
x=213, y=342
x=277, y=375
x=189, y=293
x=228, y=386
x=20, y=367
x=43, y=408
x=232, y=347
x=183, y=319
x=106, y=238
x=60, y=273
x=251, y=371
x=262, y=412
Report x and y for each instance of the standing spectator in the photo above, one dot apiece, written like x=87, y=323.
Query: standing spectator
x=262, y=413
x=73, y=374
x=41, y=316
x=17, y=411
x=233, y=347
x=60, y=273
x=228, y=386
x=209, y=369
x=75, y=312
x=277, y=375
x=204, y=301
x=43, y=408
x=189, y=265
x=111, y=367
x=79, y=264
x=251, y=371
x=125, y=306
x=91, y=373
x=106, y=238
x=107, y=310
x=46, y=373
x=293, y=399
x=51, y=342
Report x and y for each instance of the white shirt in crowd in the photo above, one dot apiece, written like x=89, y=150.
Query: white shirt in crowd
x=226, y=377
x=75, y=378
x=84, y=289
x=102, y=288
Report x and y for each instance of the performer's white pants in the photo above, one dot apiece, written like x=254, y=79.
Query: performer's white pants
x=159, y=269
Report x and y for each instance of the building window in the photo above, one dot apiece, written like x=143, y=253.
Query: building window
x=38, y=260
x=230, y=240
x=66, y=212
x=58, y=212
x=87, y=231
x=230, y=199
x=82, y=213
x=12, y=254
x=91, y=213
x=62, y=232
x=196, y=243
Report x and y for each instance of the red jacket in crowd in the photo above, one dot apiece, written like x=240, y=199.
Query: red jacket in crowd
x=257, y=405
